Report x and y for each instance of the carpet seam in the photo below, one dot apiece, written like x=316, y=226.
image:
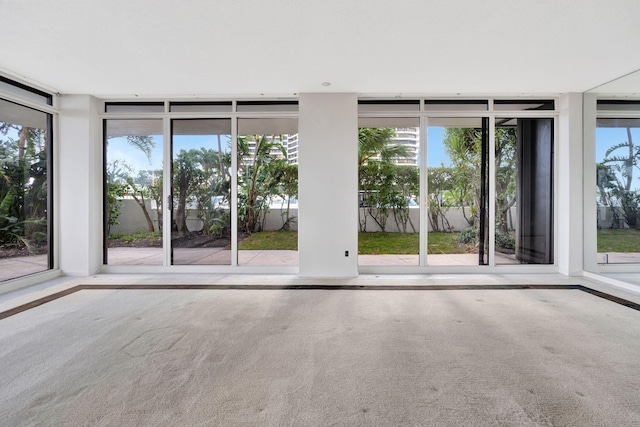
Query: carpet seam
x=40, y=301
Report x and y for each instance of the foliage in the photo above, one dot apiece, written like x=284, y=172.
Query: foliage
x=505, y=241
x=377, y=144
x=115, y=194
x=464, y=148
x=23, y=186
x=407, y=188
x=120, y=182
x=287, y=189
x=615, y=179
x=505, y=140
x=441, y=190
x=211, y=195
x=468, y=236
x=261, y=160
x=384, y=187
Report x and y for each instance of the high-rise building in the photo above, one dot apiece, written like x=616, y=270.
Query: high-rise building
x=410, y=138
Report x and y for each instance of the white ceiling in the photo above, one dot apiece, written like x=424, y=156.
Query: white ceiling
x=186, y=48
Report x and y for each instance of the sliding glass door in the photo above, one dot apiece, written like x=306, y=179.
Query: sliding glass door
x=221, y=183
x=389, y=191
x=618, y=189
x=201, y=191
x=267, y=191
x=524, y=191
x=133, y=214
x=457, y=172
x=25, y=191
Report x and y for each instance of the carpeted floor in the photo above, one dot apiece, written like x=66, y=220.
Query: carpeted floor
x=322, y=357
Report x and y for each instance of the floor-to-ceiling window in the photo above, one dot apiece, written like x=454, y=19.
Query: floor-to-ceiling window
x=26, y=201
x=457, y=152
x=222, y=190
x=201, y=191
x=617, y=182
x=388, y=186
x=267, y=191
x=133, y=169
x=481, y=169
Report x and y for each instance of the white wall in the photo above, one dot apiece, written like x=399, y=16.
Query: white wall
x=79, y=187
x=328, y=184
x=569, y=181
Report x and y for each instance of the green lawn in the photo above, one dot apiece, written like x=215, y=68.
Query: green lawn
x=271, y=240
x=388, y=243
x=368, y=243
x=609, y=240
x=618, y=240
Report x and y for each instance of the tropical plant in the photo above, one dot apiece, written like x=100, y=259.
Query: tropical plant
x=256, y=179
x=463, y=146
x=377, y=144
x=120, y=182
x=23, y=186
x=440, y=184
x=378, y=177
x=407, y=189
x=616, y=179
x=188, y=176
x=505, y=141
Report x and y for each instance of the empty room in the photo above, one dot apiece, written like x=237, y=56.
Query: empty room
x=319, y=213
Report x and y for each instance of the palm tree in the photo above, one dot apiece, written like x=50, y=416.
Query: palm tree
x=253, y=167
x=621, y=166
x=378, y=142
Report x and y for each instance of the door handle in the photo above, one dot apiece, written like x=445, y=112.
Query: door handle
x=170, y=202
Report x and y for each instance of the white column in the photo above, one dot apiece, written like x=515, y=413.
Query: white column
x=328, y=184
x=79, y=187
x=590, y=214
x=570, y=181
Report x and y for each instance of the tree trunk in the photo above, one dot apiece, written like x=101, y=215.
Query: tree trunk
x=631, y=157
x=140, y=201
x=181, y=211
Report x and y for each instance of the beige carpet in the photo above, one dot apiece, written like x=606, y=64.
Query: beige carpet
x=322, y=358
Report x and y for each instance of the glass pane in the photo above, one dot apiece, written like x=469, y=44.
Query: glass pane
x=617, y=105
x=24, y=190
x=521, y=105
x=201, y=226
x=266, y=106
x=524, y=191
x=366, y=106
x=268, y=191
x=133, y=200
x=389, y=189
x=457, y=176
x=25, y=91
x=200, y=107
x=618, y=190
x=456, y=105
x=134, y=107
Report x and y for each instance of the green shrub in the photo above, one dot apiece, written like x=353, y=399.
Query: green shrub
x=467, y=236
x=505, y=241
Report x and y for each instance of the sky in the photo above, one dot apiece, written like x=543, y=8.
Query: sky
x=119, y=148
x=608, y=137
x=435, y=149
